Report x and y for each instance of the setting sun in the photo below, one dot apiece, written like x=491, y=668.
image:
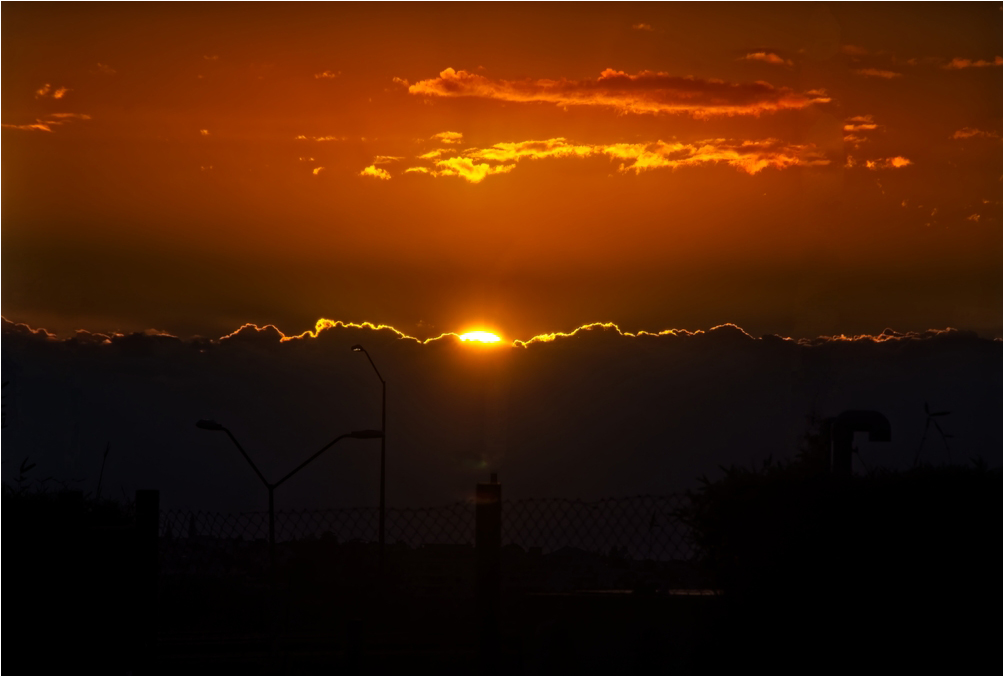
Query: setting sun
x=480, y=337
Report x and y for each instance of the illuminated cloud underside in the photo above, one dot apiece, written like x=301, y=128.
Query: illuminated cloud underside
x=476, y=164
x=646, y=92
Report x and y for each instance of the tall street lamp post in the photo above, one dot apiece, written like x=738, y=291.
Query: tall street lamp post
x=271, y=486
x=383, y=447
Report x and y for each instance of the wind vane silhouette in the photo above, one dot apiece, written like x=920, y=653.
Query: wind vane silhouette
x=932, y=417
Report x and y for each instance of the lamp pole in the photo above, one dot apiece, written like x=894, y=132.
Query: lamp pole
x=383, y=449
x=272, y=486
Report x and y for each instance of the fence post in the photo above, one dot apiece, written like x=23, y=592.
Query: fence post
x=488, y=550
x=147, y=537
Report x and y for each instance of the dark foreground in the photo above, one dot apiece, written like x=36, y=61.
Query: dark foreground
x=802, y=574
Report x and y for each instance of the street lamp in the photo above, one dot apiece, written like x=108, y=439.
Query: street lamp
x=383, y=447
x=214, y=426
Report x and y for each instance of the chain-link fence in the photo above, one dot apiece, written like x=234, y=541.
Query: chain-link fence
x=639, y=527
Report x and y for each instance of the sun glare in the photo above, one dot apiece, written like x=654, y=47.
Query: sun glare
x=480, y=337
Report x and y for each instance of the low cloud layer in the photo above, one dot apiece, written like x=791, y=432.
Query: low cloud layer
x=591, y=412
x=644, y=92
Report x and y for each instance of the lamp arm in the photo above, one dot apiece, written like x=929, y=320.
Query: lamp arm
x=246, y=457
x=301, y=466
x=373, y=364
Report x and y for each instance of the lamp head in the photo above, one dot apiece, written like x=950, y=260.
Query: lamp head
x=358, y=349
x=366, y=434
x=206, y=424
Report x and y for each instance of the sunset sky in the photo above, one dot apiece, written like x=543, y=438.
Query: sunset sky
x=799, y=169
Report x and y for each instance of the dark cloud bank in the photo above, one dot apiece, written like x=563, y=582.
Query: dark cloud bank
x=592, y=415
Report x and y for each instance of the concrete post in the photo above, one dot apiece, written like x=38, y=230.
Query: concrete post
x=488, y=549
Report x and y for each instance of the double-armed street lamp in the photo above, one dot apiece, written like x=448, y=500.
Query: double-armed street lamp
x=383, y=446
x=271, y=486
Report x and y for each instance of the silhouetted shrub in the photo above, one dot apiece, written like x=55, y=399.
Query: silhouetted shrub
x=898, y=560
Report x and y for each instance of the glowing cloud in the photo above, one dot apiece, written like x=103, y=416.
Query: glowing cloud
x=970, y=133
x=449, y=137
x=468, y=169
x=646, y=92
x=47, y=124
x=38, y=126
x=46, y=90
x=888, y=163
x=475, y=164
x=375, y=172
x=642, y=27
x=327, y=75
x=767, y=57
x=959, y=63
x=860, y=123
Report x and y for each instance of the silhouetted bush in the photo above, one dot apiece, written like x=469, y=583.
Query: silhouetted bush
x=73, y=565
x=901, y=562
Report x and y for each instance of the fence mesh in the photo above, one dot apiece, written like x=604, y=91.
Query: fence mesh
x=639, y=527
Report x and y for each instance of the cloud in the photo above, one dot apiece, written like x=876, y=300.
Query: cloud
x=466, y=168
x=642, y=27
x=649, y=411
x=435, y=154
x=449, y=137
x=897, y=162
x=626, y=402
x=959, y=63
x=975, y=218
x=854, y=129
x=47, y=91
x=375, y=172
x=767, y=57
x=971, y=132
x=47, y=124
x=304, y=137
x=327, y=75
x=878, y=73
x=317, y=170
x=476, y=164
x=37, y=126
x=399, y=81
x=860, y=123
x=105, y=69
x=646, y=92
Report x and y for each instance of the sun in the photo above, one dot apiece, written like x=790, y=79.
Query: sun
x=480, y=337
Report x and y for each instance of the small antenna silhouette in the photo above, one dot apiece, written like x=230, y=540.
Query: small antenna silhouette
x=932, y=417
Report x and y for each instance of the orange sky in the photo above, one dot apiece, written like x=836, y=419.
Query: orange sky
x=793, y=169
